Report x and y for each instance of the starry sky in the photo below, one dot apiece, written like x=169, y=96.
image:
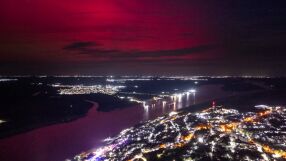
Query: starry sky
x=143, y=37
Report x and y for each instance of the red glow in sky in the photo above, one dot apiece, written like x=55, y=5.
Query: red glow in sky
x=34, y=32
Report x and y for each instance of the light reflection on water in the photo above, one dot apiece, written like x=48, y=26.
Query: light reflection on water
x=61, y=141
x=172, y=103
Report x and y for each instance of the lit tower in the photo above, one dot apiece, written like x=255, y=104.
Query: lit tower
x=213, y=104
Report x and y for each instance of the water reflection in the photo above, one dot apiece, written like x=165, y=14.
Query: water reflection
x=167, y=104
x=61, y=141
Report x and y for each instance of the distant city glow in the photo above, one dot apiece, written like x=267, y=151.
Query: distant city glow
x=81, y=89
x=7, y=80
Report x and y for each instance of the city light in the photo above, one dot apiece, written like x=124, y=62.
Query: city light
x=173, y=113
x=7, y=80
x=214, y=127
x=192, y=91
x=81, y=89
x=2, y=121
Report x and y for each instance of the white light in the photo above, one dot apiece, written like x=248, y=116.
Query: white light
x=200, y=140
x=110, y=80
x=145, y=106
x=177, y=95
x=193, y=91
x=108, y=139
x=2, y=121
x=6, y=80
x=173, y=113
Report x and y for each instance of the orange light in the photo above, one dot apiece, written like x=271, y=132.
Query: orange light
x=268, y=149
x=178, y=145
x=202, y=127
x=228, y=127
x=188, y=137
x=248, y=119
x=163, y=146
x=264, y=113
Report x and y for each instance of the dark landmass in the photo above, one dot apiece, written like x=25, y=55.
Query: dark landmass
x=270, y=92
x=26, y=106
x=31, y=102
x=245, y=102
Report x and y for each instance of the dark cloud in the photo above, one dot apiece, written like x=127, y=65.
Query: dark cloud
x=97, y=51
x=176, y=52
x=80, y=45
x=86, y=47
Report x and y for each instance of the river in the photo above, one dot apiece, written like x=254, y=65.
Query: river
x=61, y=141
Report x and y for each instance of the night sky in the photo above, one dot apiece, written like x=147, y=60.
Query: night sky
x=154, y=37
